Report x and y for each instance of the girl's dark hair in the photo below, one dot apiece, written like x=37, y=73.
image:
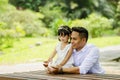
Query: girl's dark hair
x=82, y=32
x=64, y=30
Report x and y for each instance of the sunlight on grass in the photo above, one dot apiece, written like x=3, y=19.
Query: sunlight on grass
x=105, y=41
x=38, y=49
x=26, y=50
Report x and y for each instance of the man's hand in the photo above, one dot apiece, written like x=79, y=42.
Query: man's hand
x=53, y=70
x=58, y=66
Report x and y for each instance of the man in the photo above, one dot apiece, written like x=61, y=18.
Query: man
x=85, y=56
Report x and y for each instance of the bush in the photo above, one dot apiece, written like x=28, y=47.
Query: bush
x=97, y=25
x=7, y=36
x=117, y=31
x=59, y=22
x=51, y=12
x=15, y=24
x=3, y=5
x=26, y=23
x=78, y=22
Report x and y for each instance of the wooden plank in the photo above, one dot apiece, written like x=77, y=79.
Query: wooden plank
x=107, y=76
x=33, y=75
x=8, y=78
x=76, y=76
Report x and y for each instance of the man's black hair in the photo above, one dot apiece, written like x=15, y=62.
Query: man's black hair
x=82, y=32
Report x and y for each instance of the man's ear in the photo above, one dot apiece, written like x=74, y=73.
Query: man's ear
x=84, y=39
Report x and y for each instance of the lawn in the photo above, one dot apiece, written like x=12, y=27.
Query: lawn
x=38, y=49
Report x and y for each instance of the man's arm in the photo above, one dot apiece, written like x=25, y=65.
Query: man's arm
x=90, y=60
x=74, y=70
x=56, y=70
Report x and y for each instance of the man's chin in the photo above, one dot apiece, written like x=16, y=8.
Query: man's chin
x=74, y=47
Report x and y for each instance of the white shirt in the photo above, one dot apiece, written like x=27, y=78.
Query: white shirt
x=87, y=59
x=61, y=53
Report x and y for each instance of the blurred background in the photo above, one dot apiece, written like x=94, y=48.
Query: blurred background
x=28, y=28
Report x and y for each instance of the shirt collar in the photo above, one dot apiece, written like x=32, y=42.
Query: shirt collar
x=82, y=50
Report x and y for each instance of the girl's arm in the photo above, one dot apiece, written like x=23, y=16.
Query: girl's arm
x=66, y=57
x=50, y=58
x=52, y=55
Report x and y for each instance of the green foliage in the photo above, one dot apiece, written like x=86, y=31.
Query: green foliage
x=23, y=22
x=97, y=25
x=59, y=22
x=117, y=16
x=81, y=9
x=2, y=4
x=6, y=36
x=107, y=8
x=51, y=12
x=117, y=31
x=72, y=9
x=15, y=24
x=29, y=4
x=80, y=22
x=26, y=23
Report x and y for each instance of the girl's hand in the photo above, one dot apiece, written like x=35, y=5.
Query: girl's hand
x=45, y=63
x=58, y=66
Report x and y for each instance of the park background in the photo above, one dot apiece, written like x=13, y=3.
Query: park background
x=28, y=28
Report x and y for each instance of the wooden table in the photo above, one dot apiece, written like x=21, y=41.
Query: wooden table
x=42, y=75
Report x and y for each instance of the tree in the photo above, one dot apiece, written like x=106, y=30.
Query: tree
x=30, y=4
x=117, y=16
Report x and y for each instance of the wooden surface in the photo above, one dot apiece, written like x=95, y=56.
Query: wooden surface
x=42, y=75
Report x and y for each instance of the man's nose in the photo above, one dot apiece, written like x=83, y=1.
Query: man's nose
x=72, y=41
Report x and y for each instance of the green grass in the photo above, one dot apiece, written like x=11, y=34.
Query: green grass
x=25, y=50
x=105, y=41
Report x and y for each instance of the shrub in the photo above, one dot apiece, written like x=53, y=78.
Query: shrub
x=7, y=36
x=51, y=11
x=97, y=25
x=117, y=31
x=59, y=22
x=80, y=22
x=26, y=23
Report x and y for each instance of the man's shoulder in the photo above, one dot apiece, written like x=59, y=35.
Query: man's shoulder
x=92, y=47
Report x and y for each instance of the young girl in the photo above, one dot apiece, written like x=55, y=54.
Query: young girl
x=63, y=50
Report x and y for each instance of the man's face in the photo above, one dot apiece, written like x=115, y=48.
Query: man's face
x=76, y=41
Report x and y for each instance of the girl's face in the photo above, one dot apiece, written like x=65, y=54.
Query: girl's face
x=64, y=38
